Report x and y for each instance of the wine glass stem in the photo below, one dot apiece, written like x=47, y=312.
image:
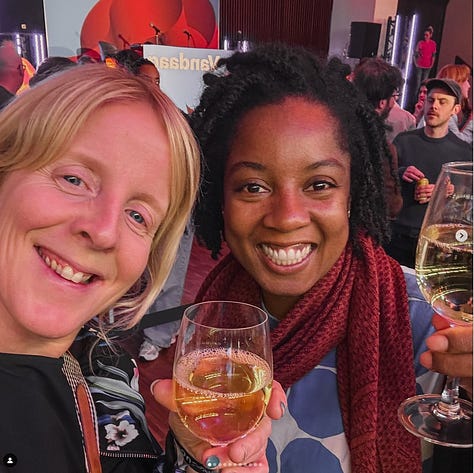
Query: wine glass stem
x=449, y=408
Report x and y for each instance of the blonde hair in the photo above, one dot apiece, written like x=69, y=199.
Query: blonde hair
x=40, y=124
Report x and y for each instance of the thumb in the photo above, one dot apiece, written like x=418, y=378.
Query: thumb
x=162, y=390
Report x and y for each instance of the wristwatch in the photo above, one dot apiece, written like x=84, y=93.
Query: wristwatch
x=178, y=459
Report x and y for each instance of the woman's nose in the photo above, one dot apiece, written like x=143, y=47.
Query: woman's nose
x=99, y=223
x=287, y=212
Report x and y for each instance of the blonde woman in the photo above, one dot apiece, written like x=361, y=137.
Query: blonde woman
x=98, y=174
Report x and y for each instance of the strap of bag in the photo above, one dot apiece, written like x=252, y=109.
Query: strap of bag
x=88, y=430
x=163, y=316
x=85, y=412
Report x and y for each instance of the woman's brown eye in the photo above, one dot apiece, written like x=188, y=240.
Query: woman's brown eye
x=254, y=188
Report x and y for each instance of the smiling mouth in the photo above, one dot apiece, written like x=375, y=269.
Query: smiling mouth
x=287, y=256
x=65, y=271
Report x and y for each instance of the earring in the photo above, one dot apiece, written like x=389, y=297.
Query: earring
x=349, y=214
x=111, y=316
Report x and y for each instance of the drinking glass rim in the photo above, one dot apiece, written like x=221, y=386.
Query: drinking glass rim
x=461, y=167
x=193, y=306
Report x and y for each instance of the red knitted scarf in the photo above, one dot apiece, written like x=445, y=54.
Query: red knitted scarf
x=361, y=308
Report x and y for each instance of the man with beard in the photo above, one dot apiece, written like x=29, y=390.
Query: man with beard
x=421, y=153
x=380, y=82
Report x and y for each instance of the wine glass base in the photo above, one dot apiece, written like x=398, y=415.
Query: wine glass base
x=419, y=416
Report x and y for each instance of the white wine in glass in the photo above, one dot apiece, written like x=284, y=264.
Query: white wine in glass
x=222, y=370
x=444, y=258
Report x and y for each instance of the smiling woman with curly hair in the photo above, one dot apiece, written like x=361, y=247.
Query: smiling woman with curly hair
x=292, y=181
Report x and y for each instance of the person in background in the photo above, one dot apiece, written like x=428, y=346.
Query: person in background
x=157, y=338
x=49, y=66
x=420, y=104
x=380, y=82
x=421, y=153
x=293, y=182
x=11, y=72
x=399, y=120
x=460, y=125
x=99, y=172
x=424, y=56
x=125, y=58
x=145, y=68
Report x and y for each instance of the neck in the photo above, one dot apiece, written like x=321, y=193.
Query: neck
x=436, y=131
x=278, y=306
x=19, y=342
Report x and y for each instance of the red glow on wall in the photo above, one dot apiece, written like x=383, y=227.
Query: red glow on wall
x=131, y=20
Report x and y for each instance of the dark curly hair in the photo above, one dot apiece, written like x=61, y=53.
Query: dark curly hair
x=377, y=79
x=135, y=66
x=267, y=75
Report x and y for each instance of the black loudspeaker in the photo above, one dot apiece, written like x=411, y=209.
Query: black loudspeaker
x=364, y=41
x=22, y=16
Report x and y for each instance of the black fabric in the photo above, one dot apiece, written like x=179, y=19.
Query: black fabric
x=5, y=97
x=403, y=249
x=449, y=459
x=38, y=420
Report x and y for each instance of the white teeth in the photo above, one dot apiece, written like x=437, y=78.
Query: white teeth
x=78, y=277
x=286, y=257
x=66, y=272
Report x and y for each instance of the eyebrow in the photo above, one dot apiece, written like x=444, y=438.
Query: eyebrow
x=331, y=162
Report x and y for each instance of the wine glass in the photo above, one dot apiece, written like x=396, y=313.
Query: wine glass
x=444, y=274
x=223, y=369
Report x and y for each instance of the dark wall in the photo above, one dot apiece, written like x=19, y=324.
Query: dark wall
x=14, y=13
x=430, y=13
x=299, y=22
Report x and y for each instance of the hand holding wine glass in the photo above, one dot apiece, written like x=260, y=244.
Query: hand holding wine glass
x=222, y=370
x=248, y=451
x=444, y=261
x=450, y=351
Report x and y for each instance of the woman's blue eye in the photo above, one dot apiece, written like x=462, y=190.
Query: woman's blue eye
x=137, y=217
x=74, y=180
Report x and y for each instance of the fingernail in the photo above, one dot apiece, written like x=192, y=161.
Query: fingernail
x=152, y=385
x=212, y=462
x=283, y=408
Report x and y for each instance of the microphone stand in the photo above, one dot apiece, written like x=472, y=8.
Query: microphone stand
x=189, y=35
x=125, y=42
